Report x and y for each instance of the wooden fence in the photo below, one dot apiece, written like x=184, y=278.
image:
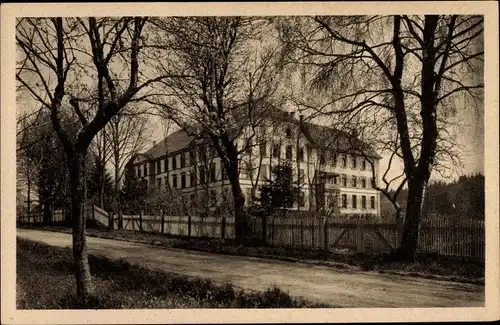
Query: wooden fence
x=453, y=237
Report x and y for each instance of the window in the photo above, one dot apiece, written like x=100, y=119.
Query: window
x=192, y=178
x=300, y=154
x=334, y=159
x=344, y=180
x=363, y=202
x=322, y=159
x=192, y=199
x=223, y=172
x=344, y=200
x=276, y=151
x=158, y=182
x=262, y=149
x=363, y=182
x=192, y=157
x=202, y=175
x=263, y=172
x=302, y=200
x=165, y=181
x=363, y=164
x=165, y=165
x=354, y=162
x=183, y=160
x=202, y=153
x=158, y=167
x=145, y=170
x=139, y=172
x=288, y=133
x=212, y=172
x=249, y=195
x=183, y=180
x=354, y=201
x=354, y=182
x=174, y=162
x=344, y=160
x=372, y=202
x=174, y=181
x=213, y=197
x=288, y=153
x=301, y=175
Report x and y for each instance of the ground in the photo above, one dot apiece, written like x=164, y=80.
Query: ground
x=346, y=288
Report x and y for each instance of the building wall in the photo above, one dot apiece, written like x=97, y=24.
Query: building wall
x=261, y=168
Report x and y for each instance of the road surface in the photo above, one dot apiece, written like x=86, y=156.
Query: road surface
x=317, y=283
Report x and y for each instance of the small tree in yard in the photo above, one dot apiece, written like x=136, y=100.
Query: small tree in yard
x=280, y=192
x=133, y=192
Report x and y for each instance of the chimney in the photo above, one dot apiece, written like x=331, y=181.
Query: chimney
x=154, y=142
x=292, y=114
x=301, y=118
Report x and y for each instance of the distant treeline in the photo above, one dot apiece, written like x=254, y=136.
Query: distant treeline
x=464, y=199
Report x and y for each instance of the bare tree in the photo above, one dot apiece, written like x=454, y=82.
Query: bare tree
x=127, y=134
x=403, y=72
x=230, y=82
x=60, y=58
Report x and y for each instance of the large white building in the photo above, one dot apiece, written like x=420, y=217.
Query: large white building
x=330, y=175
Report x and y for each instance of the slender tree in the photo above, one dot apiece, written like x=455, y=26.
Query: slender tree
x=60, y=58
x=230, y=80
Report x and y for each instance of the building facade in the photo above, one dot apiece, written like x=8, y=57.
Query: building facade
x=328, y=172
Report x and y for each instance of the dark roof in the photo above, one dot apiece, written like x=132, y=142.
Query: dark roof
x=320, y=136
x=172, y=143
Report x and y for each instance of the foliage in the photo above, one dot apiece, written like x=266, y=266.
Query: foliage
x=462, y=198
x=133, y=193
x=280, y=192
x=99, y=177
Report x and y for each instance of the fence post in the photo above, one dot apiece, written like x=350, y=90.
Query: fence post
x=110, y=221
x=264, y=229
x=189, y=225
x=223, y=228
x=360, y=245
x=120, y=220
x=301, y=232
x=325, y=233
x=140, y=220
x=162, y=227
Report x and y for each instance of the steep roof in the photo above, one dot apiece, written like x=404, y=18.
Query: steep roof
x=320, y=136
x=173, y=142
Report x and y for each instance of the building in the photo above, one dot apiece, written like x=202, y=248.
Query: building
x=330, y=175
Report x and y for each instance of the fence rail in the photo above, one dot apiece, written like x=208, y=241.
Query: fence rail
x=452, y=237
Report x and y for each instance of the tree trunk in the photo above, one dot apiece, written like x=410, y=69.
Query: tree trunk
x=409, y=241
x=47, y=212
x=240, y=218
x=78, y=194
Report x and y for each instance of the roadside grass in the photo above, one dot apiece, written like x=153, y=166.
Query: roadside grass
x=430, y=266
x=45, y=280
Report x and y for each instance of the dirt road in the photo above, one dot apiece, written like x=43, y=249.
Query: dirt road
x=335, y=287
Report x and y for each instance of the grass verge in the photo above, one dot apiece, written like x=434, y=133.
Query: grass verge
x=45, y=280
x=430, y=266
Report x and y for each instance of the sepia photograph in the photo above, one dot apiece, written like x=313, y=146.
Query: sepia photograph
x=312, y=160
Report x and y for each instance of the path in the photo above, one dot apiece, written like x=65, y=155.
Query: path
x=318, y=283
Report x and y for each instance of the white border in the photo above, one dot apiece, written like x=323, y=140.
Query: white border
x=8, y=228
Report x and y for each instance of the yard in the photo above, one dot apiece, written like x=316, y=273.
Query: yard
x=119, y=284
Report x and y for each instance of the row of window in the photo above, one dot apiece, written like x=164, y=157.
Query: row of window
x=354, y=201
x=202, y=177
x=331, y=158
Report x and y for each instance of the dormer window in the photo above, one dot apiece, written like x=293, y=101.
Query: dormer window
x=288, y=132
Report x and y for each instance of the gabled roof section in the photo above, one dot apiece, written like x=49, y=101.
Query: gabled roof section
x=173, y=142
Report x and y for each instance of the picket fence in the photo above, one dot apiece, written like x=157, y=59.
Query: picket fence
x=452, y=237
